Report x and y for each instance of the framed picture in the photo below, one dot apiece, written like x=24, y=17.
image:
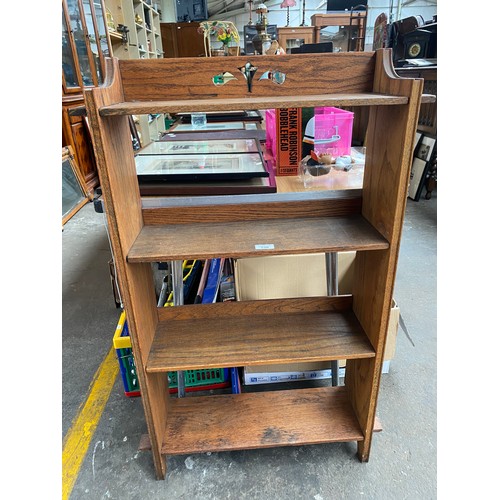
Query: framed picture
x=416, y=177
x=211, y=146
x=418, y=135
x=225, y=116
x=187, y=127
x=74, y=196
x=425, y=148
x=423, y=153
x=191, y=168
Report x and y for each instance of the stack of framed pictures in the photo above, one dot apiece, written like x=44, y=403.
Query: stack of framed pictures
x=204, y=166
x=214, y=126
x=423, y=156
x=244, y=115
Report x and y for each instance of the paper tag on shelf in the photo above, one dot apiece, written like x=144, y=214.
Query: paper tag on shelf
x=264, y=247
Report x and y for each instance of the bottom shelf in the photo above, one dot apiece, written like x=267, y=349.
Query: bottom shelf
x=259, y=420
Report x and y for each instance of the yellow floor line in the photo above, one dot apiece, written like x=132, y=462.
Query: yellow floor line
x=78, y=438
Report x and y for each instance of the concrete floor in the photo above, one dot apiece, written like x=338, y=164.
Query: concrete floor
x=403, y=463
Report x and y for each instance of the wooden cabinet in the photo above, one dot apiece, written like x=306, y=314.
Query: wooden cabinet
x=427, y=120
x=189, y=337
x=289, y=37
x=76, y=133
x=182, y=40
x=85, y=44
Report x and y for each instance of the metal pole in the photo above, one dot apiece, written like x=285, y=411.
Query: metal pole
x=178, y=292
x=332, y=288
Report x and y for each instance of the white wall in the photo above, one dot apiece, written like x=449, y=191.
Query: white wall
x=276, y=15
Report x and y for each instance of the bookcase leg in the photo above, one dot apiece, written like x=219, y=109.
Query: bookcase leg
x=160, y=462
x=364, y=449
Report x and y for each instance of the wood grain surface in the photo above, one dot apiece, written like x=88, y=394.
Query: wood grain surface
x=389, y=148
x=274, y=331
x=256, y=333
x=260, y=420
x=236, y=239
x=118, y=178
x=250, y=207
x=179, y=79
x=251, y=102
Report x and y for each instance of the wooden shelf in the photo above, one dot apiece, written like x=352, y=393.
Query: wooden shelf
x=260, y=420
x=234, y=239
x=221, y=335
x=182, y=106
x=231, y=104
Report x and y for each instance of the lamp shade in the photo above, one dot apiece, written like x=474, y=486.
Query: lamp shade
x=288, y=3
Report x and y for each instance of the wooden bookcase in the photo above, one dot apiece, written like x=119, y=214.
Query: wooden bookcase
x=369, y=221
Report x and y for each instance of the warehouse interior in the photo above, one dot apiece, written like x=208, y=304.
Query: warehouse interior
x=428, y=397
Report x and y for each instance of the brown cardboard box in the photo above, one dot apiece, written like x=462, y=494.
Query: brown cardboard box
x=280, y=276
x=392, y=332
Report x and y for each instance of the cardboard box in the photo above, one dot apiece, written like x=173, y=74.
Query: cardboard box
x=280, y=276
x=392, y=332
x=269, y=374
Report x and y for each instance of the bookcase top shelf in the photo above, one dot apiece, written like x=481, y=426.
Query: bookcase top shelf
x=171, y=85
x=251, y=102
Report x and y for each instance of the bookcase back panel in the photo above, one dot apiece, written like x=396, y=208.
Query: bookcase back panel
x=185, y=79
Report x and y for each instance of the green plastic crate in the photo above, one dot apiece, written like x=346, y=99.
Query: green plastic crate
x=196, y=378
x=193, y=379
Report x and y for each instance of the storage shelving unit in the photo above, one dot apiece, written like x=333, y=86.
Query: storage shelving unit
x=369, y=221
x=144, y=42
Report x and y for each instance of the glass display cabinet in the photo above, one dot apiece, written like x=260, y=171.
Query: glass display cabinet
x=85, y=44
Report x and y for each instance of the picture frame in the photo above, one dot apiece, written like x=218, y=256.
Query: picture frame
x=198, y=167
x=74, y=195
x=208, y=146
x=225, y=116
x=425, y=148
x=423, y=152
x=188, y=127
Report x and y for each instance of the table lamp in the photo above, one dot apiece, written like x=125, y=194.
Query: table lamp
x=288, y=4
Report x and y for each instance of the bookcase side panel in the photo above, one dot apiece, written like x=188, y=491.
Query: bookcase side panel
x=390, y=137
x=122, y=203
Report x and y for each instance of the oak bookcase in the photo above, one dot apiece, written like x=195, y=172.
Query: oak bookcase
x=368, y=220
